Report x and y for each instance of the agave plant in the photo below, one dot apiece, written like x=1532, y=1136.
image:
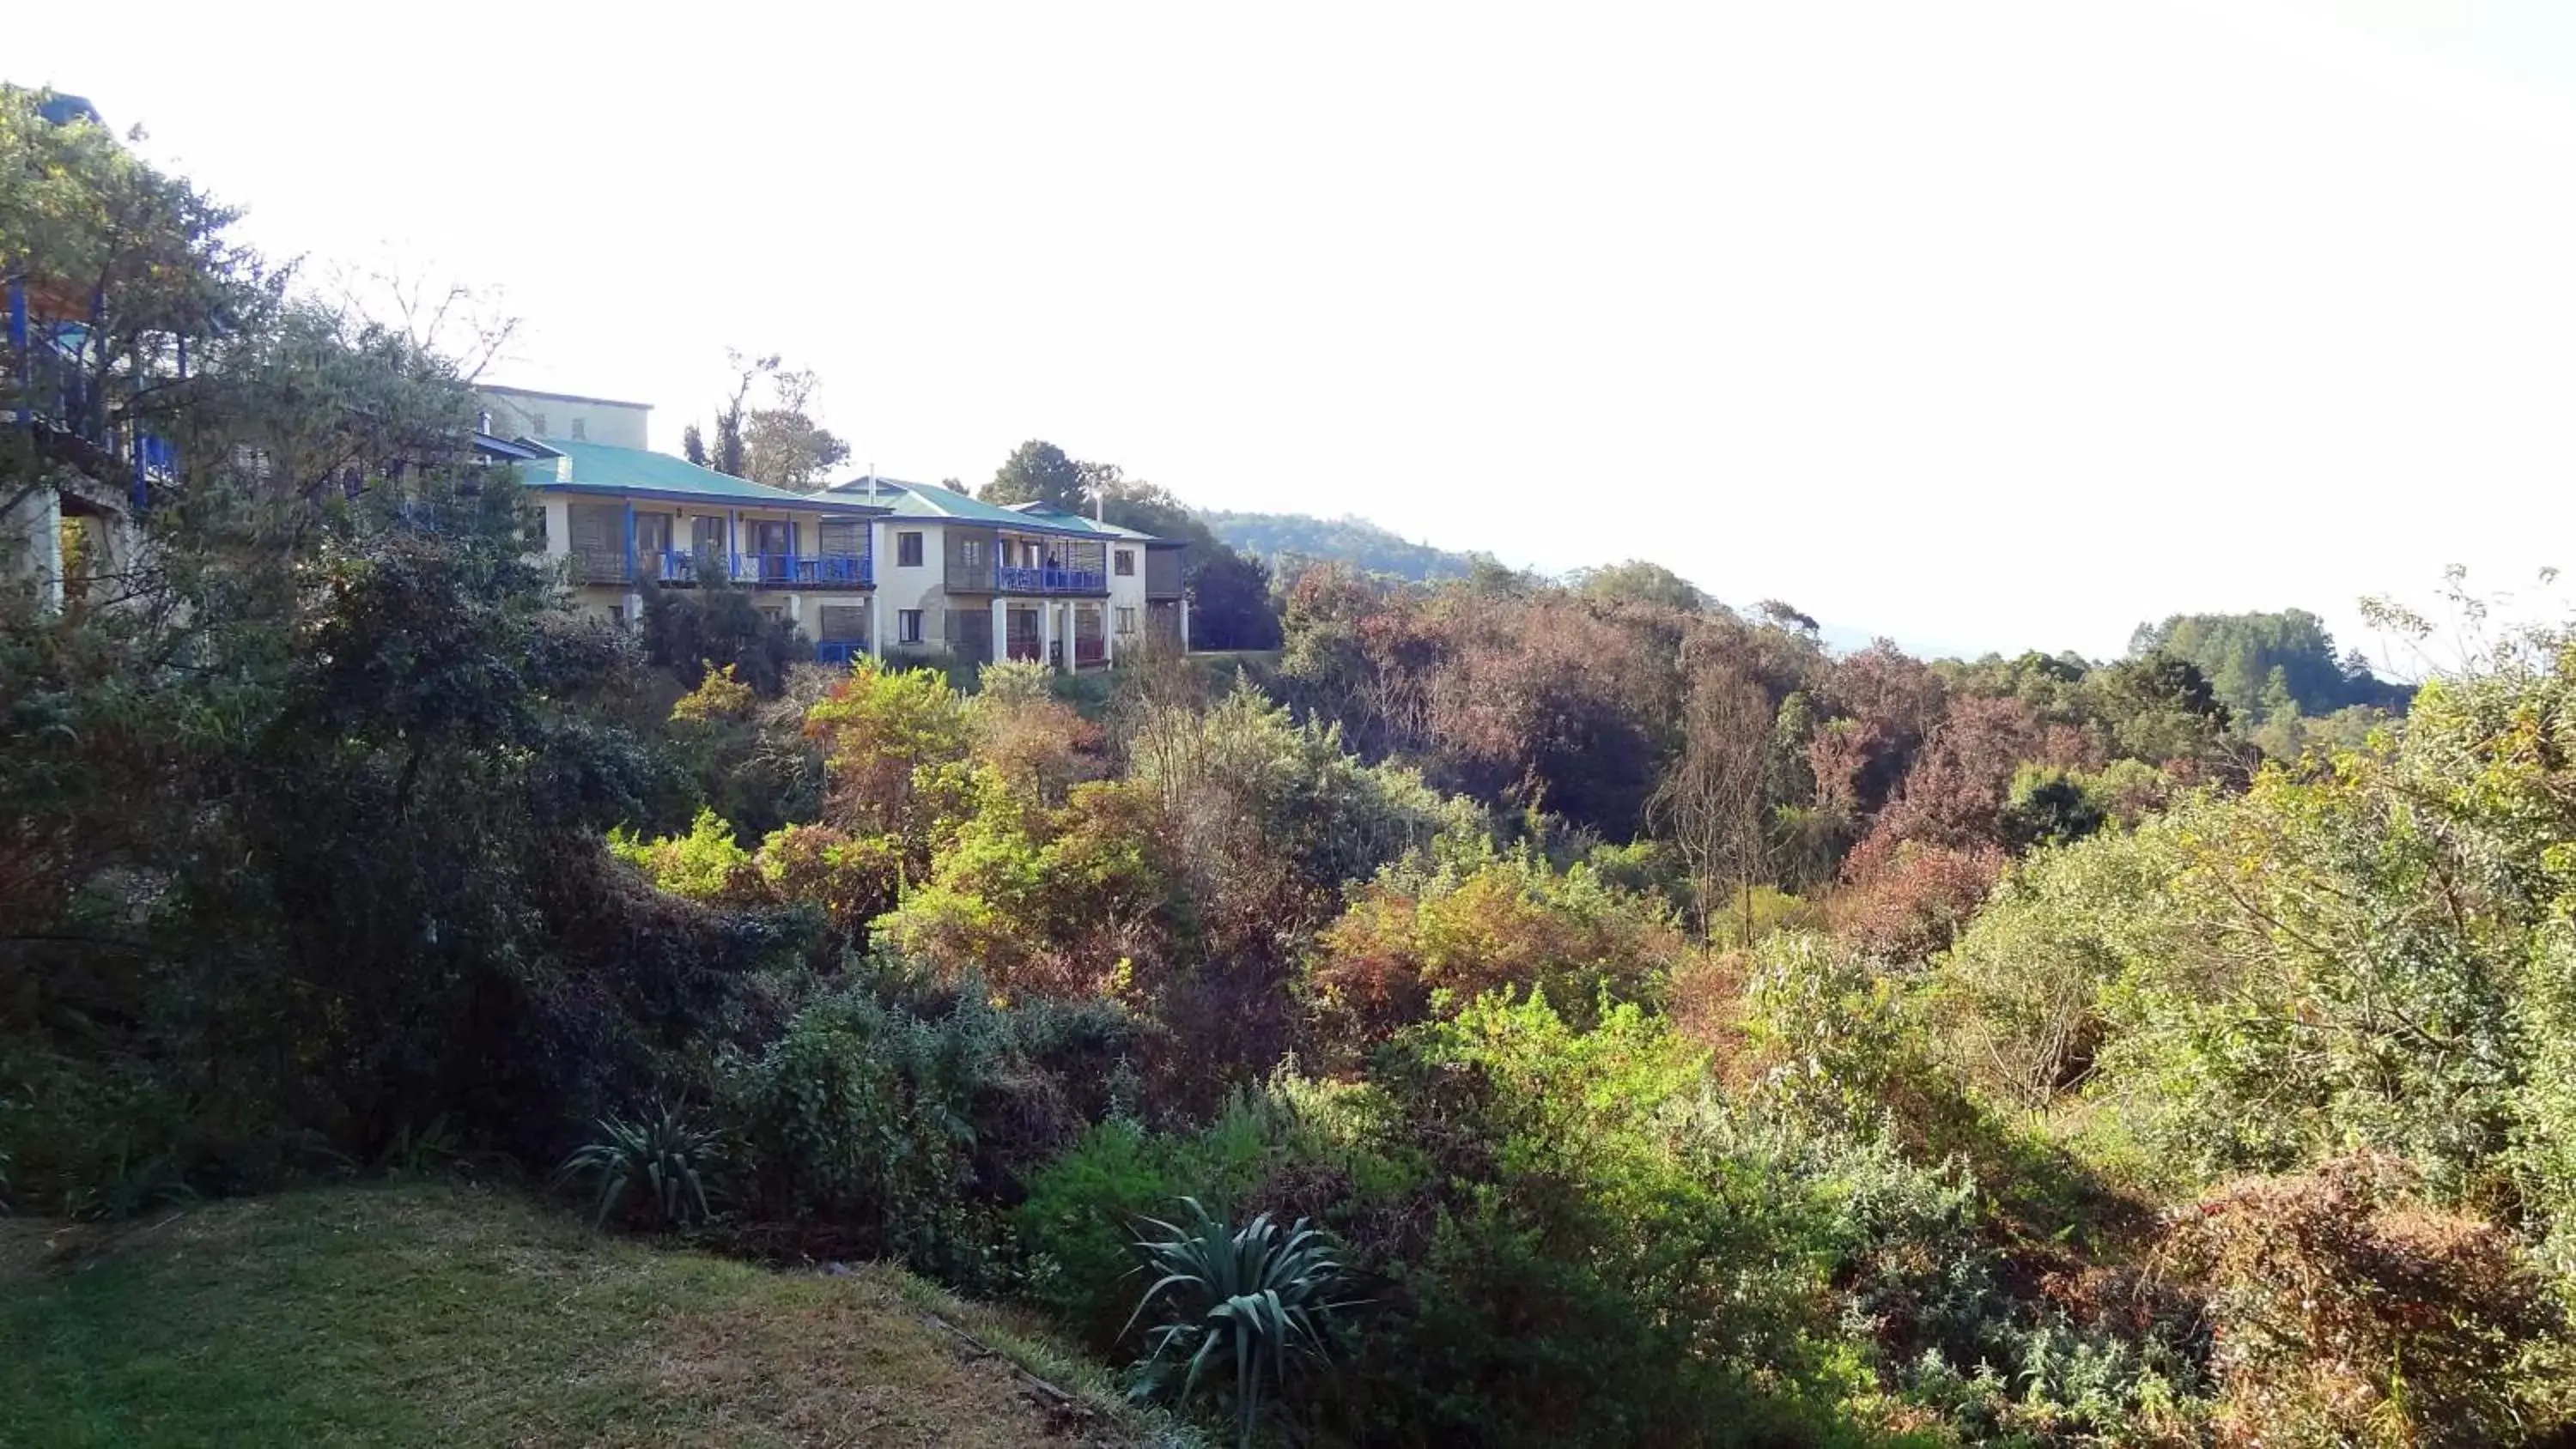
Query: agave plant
x=666, y=1154
x=1261, y=1302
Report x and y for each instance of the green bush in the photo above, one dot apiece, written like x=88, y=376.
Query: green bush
x=655, y=1168
x=1077, y=1230
x=861, y=1115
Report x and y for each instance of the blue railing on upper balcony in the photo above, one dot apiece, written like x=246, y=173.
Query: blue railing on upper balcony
x=764, y=570
x=50, y=387
x=1049, y=580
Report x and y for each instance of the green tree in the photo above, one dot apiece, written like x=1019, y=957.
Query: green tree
x=1040, y=472
x=782, y=444
x=1640, y=582
x=729, y=451
x=1230, y=604
x=2258, y=665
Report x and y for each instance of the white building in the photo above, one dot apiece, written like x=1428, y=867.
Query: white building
x=518, y=412
x=970, y=580
x=875, y=566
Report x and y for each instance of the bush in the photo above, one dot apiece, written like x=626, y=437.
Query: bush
x=2346, y=1311
x=656, y=1168
x=1263, y=1301
x=707, y=864
x=1586, y=1267
x=1416, y=942
x=861, y=1117
x=1077, y=1230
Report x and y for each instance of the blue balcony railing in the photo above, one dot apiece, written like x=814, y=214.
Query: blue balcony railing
x=1049, y=580
x=761, y=570
x=840, y=652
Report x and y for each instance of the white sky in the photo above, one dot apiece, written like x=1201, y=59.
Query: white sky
x=1981, y=323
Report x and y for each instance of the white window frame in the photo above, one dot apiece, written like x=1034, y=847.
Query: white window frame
x=907, y=626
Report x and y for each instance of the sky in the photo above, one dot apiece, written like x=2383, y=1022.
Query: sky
x=1992, y=324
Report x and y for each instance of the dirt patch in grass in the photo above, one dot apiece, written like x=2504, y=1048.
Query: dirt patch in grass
x=439, y=1315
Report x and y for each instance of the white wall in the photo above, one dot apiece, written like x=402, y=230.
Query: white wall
x=1126, y=593
x=922, y=587
x=620, y=425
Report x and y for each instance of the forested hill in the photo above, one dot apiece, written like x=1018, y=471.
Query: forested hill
x=1343, y=540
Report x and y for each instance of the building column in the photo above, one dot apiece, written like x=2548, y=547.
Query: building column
x=1046, y=632
x=1109, y=634
x=1001, y=630
x=39, y=526
x=634, y=610
x=796, y=611
x=876, y=624
x=1185, y=623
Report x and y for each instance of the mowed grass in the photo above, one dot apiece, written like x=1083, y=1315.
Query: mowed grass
x=454, y=1316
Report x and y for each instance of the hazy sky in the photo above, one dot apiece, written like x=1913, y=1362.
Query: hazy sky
x=1983, y=324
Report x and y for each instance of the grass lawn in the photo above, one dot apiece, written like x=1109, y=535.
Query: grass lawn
x=431, y=1314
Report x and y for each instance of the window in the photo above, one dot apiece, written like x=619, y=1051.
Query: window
x=536, y=425
x=772, y=613
x=1126, y=620
x=845, y=624
x=970, y=552
x=907, y=550
x=652, y=534
x=1126, y=566
x=617, y=613
x=907, y=623
x=532, y=525
x=577, y=433
x=711, y=535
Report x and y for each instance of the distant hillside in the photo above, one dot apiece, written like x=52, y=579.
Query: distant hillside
x=1340, y=540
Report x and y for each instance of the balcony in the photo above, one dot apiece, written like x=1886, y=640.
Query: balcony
x=680, y=567
x=841, y=653
x=1049, y=580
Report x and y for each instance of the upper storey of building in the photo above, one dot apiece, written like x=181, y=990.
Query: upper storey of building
x=526, y=412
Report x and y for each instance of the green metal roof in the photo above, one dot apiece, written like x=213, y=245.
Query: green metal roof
x=1099, y=526
x=933, y=504
x=599, y=467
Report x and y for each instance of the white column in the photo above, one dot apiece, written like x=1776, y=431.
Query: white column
x=796, y=610
x=876, y=624
x=42, y=519
x=1046, y=631
x=1109, y=633
x=1185, y=623
x=1001, y=628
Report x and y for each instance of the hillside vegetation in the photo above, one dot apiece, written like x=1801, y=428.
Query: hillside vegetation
x=1289, y=537
x=1507, y=1014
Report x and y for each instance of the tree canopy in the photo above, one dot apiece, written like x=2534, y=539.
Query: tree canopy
x=2257, y=664
x=1040, y=472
